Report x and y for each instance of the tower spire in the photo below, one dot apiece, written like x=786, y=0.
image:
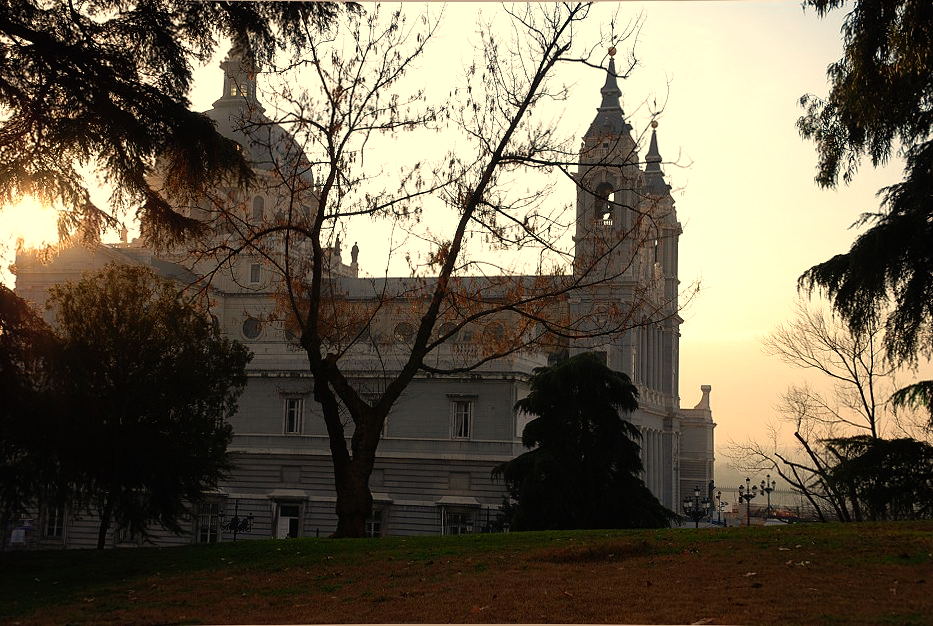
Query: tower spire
x=610, y=118
x=610, y=90
x=654, y=176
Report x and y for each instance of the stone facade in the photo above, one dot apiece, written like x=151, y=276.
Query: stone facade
x=447, y=431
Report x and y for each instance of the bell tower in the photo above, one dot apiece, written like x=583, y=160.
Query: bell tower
x=607, y=178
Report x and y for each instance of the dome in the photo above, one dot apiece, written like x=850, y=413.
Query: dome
x=239, y=116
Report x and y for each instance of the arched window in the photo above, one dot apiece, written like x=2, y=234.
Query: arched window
x=603, y=203
x=259, y=204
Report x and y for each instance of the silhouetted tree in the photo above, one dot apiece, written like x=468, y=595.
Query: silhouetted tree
x=583, y=469
x=885, y=479
x=853, y=409
x=105, y=84
x=150, y=384
x=29, y=419
x=879, y=103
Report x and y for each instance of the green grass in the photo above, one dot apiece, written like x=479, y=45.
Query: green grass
x=106, y=579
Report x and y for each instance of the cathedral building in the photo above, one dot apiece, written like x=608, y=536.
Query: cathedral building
x=448, y=430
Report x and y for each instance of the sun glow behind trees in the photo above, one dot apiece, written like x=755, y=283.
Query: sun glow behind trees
x=27, y=224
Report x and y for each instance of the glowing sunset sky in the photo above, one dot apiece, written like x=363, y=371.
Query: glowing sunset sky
x=753, y=217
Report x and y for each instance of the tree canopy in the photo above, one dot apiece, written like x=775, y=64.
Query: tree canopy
x=883, y=479
x=583, y=469
x=29, y=417
x=879, y=105
x=150, y=384
x=103, y=86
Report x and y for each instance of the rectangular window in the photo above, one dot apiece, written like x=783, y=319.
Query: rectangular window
x=293, y=415
x=55, y=523
x=289, y=521
x=461, y=426
x=374, y=524
x=209, y=522
x=255, y=273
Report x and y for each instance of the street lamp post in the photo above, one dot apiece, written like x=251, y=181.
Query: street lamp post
x=237, y=524
x=719, y=506
x=767, y=486
x=695, y=508
x=747, y=493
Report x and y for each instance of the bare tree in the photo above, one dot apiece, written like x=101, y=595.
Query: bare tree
x=861, y=378
x=355, y=91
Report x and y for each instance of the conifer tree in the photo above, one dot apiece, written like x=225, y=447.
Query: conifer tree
x=879, y=105
x=583, y=468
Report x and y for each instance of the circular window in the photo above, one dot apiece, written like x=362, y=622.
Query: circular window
x=404, y=331
x=251, y=328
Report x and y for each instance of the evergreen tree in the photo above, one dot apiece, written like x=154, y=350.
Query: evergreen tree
x=30, y=420
x=884, y=479
x=582, y=470
x=104, y=86
x=150, y=384
x=879, y=103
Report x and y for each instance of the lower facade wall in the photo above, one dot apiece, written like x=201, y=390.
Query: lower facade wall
x=411, y=496
x=291, y=494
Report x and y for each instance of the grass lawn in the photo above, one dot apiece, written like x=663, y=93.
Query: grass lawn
x=812, y=574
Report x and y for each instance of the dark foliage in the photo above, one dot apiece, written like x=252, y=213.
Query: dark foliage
x=884, y=479
x=104, y=85
x=880, y=102
x=29, y=420
x=583, y=469
x=150, y=384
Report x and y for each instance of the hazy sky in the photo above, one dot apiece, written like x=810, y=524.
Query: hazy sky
x=753, y=218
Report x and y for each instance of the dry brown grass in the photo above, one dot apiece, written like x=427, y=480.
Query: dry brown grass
x=857, y=573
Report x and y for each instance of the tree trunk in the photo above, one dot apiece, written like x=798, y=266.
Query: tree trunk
x=351, y=467
x=354, y=500
x=104, y=524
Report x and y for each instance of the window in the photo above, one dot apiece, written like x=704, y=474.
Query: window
x=603, y=204
x=255, y=273
x=289, y=521
x=293, y=414
x=251, y=328
x=259, y=204
x=374, y=524
x=209, y=522
x=404, y=331
x=55, y=523
x=457, y=521
x=461, y=426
